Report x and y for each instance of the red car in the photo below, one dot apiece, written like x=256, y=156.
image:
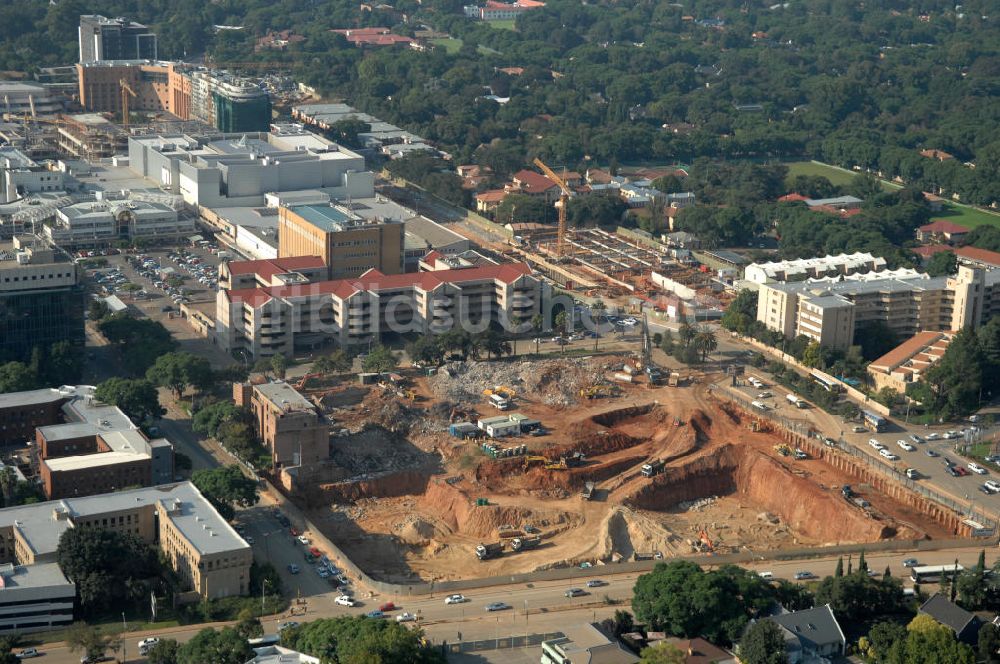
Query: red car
x=293, y=532
x=962, y=472
x=388, y=606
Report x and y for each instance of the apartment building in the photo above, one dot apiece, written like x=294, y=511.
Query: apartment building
x=237, y=275
x=287, y=423
x=201, y=546
x=906, y=363
x=114, y=39
x=41, y=298
x=281, y=319
x=348, y=244
x=813, y=268
x=832, y=311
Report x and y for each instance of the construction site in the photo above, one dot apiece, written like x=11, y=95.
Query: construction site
x=611, y=470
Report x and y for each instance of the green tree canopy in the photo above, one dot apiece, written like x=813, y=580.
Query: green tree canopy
x=226, y=487
x=107, y=566
x=137, y=398
x=180, y=370
x=763, y=643
x=139, y=340
x=226, y=646
x=357, y=639
x=379, y=360
x=943, y=263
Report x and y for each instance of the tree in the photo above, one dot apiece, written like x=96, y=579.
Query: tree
x=16, y=377
x=881, y=638
x=562, y=323
x=943, y=263
x=858, y=596
x=929, y=642
x=741, y=312
x=105, y=565
x=98, y=310
x=137, y=398
x=763, y=643
x=705, y=342
x=63, y=364
x=667, y=342
x=812, y=356
x=226, y=646
x=662, y=653
x=226, y=487
x=87, y=638
x=687, y=333
x=249, y=626
x=988, y=643
x=379, y=360
x=887, y=396
x=179, y=370
x=537, y=323
x=163, y=652
x=139, y=340
x=839, y=571
x=336, y=362
x=426, y=350
x=209, y=418
x=359, y=639
x=279, y=365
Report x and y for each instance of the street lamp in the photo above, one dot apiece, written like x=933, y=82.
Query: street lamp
x=124, y=645
x=263, y=585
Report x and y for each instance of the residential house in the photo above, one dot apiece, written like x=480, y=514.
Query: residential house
x=938, y=155
x=965, y=625
x=941, y=231
x=488, y=201
x=696, y=650
x=530, y=183
x=811, y=633
x=585, y=643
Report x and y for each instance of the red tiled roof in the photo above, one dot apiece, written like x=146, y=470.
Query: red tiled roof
x=931, y=249
x=255, y=297
x=943, y=226
x=267, y=268
x=532, y=181
x=432, y=256
x=979, y=255
x=491, y=196
x=909, y=349
x=837, y=211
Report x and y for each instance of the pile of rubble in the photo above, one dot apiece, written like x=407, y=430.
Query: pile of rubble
x=554, y=382
x=696, y=505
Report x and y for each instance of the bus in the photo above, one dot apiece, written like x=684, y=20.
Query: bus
x=933, y=573
x=826, y=383
x=873, y=422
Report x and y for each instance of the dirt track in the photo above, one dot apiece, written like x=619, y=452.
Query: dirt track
x=721, y=480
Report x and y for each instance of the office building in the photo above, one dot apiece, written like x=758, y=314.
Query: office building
x=41, y=298
x=102, y=223
x=114, y=39
x=585, y=643
x=22, y=98
x=223, y=170
x=348, y=244
x=831, y=312
x=281, y=319
x=34, y=598
x=906, y=364
x=20, y=175
x=22, y=412
x=287, y=423
x=204, y=550
x=813, y=268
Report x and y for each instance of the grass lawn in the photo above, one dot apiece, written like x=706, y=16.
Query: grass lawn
x=451, y=45
x=502, y=25
x=837, y=176
x=967, y=216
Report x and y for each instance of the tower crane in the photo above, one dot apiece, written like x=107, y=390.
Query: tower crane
x=126, y=90
x=561, y=204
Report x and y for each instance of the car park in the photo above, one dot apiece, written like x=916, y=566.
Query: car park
x=345, y=600
x=455, y=599
x=497, y=606
x=976, y=468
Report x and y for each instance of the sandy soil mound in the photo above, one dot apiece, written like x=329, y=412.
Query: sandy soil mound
x=418, y=532
x=628, y=533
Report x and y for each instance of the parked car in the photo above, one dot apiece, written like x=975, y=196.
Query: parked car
x=915, y=438
x=962, y=472
x=28, y=653
x=388, y=606
x=303, y=540
x=976, y=468
x=455, y=599
x=992, y=485
x=857, y=428
x=912, y=474
x=951, y=470
x=293, y=569
x=288, y=624
x=406, y=617
x=905, y=445
x=934, y=436
x=345, y=600
x=931, y=453
x=375, y=614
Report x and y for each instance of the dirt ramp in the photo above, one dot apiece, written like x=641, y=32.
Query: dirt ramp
x=386, y=486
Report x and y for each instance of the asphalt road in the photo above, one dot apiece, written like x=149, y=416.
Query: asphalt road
x=535, y=607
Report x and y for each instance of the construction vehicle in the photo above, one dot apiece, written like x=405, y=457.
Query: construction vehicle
x=588, y=491
x=410, y=395
x=561, y=204
x=557, y=465
x=530, y=461
x=800, y=454
x=675, y=379
x=575, y=460
x=487, y=551
x=600, y=390
x=782, y=449
x=652, y=468
x=525, y=543
x=508, y=532
x=653, y=372
x=305, y=379
x=706, y=541
x=126, y=90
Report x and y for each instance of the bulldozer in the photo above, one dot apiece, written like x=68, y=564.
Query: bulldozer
x=782, y=449
x=598, y=391
x=706, y=541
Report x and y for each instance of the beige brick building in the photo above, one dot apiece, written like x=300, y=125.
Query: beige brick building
x=289, y=426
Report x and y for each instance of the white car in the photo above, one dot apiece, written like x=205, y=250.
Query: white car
x=455, y=599
x=877, y=445
x=888, y=455
x=764, y=395
x=345, y=600
x=303, y=540
x=406, y=617
x=905, y=445
x=934, y=436
x=976, y=468
x=28, y=653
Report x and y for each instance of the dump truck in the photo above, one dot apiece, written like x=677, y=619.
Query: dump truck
x=652, y=468
x=525, y=543
x=487, y=551
x=674, y=380
x=588, y=491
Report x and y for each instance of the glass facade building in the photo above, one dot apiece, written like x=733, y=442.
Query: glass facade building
x=40, y=318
